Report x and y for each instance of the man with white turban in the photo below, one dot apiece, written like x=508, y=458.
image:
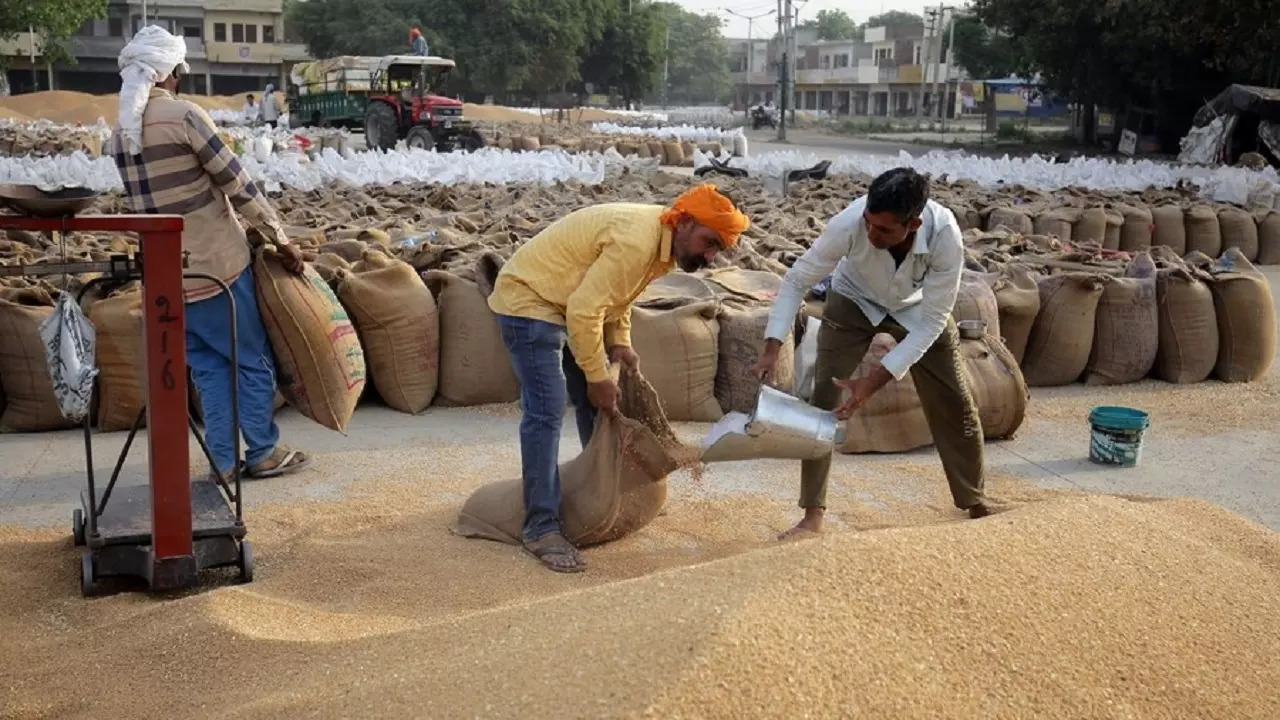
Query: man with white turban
x=172, y=161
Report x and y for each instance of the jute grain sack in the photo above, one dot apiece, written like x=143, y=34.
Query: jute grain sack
x=687, y=148
x=121, y=356
x=1017, y=295
x=672, y=154
x=1204, y=234
x=1012, y=218
x=615, y=488
x=320, y=365
x=656, y=150
x=1092, y=226
x=1057, y=223
x=742, y=326
x=1115, y=224
x=1138, y=228
x=399, y=328
x=475, y=366
x=1188, y=345
x=643, y=151
x=30, y=404
x=1239, y=230
x=747, y=297
x=681, y=344
x=1126, y=334
x=1062, y=336
x=1170, y=228
x=998, y=386
x=893, y=419
x=530, y=144
x=977, y=301
x=1269, y=239
x=1246, y=319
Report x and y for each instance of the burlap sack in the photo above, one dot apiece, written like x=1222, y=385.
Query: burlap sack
x=616, y=486
x=997, y=384
x=475, y=366
x=681, y=344
x=320, y=366
x=1188, y=344
x=399, y=328
x=1238, y=230
x=1057, y=223
x=1062, y=336
x=672, y=154
x=1092, y=226
x=1012, y=218
x=1115, y=224
x=1246, y=319
x=977, y=301
x=747, y=297
x=530, y=144
x=656, y=150
x=1204, y=234
x=1138, y=228
x=30, y=405
x=1126, y=333
x=1017, y=294
x=892, y=420
x=1269, y=239
x=643, y=151
x=1170, y=228
x=121, y=358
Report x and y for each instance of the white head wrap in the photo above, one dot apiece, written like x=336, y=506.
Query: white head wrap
x=151, y=56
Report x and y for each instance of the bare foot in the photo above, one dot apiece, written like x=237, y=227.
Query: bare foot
x=556, y=553
x=810, y=525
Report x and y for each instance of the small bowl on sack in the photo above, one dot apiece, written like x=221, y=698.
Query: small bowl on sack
x=31, y=200
x=972, y=329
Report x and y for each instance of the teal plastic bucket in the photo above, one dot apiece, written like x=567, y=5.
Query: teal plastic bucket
x=1116, y=437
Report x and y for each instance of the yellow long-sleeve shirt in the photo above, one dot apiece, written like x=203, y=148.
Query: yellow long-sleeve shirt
x=583, y=272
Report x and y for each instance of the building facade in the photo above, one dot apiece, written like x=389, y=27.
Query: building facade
x=233, y=46
x=886, y=74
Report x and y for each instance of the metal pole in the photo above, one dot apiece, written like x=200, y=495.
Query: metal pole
x=951, y=73
x=937, y=63
x=925, y=47
x=751, y=48
x=35, y=75
x=666, y=66
x=784, y=69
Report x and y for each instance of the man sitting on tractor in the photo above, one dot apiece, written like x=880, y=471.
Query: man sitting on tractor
x=417, y=43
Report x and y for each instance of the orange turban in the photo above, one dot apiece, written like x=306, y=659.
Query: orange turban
x=707, y=206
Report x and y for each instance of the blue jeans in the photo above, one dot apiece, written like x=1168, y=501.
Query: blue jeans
x=209, y=356
x=549, y=378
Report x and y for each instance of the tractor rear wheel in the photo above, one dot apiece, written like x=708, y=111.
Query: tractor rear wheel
x=381, y=127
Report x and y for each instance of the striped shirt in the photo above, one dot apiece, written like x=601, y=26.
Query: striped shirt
x=186, y=169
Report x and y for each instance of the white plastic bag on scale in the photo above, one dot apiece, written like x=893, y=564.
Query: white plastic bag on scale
x=69, y=341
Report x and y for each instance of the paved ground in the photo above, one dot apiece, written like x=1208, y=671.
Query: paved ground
x=1191, y=451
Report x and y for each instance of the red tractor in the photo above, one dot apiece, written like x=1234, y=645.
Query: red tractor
x=390, y=98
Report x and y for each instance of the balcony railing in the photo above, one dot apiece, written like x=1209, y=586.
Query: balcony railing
x=753, y=78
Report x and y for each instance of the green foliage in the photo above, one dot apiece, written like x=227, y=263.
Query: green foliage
x=1013, y=130
x=53, y=20
x=984, y=53
x=893, y=17
x=535, y=46
x=833, y=25
x=697, y=57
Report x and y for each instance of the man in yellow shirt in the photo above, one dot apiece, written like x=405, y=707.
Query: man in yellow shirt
x=563, y=302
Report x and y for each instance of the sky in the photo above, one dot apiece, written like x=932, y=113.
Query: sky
x=736, y=27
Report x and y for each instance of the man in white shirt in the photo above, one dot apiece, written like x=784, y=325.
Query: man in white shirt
x=270, y=108
x=897, y=258
x=250, y=111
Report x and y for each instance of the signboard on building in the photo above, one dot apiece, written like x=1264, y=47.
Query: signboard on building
x=245, y=51
x=1128, y=142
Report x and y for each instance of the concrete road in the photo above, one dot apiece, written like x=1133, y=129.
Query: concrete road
x=1211, y=441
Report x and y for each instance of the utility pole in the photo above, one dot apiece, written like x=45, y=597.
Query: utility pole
x=784, y=68
x=937, y=63
x=926, y=57
x=951, y=72
x=751, y=48
x=666, y=66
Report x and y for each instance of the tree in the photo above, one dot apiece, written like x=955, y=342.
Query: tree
x=1166, y=55
x=893, y=17
x=628, y=53
x=697, y=57
x=985, y=53
x=54, y=21
x=833, y=25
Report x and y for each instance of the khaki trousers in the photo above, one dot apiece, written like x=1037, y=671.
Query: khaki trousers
x=940, y=379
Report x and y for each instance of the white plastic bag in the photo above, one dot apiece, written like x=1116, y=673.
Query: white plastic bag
x=69, y=341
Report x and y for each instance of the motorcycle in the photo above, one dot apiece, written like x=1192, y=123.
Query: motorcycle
x=761, y=117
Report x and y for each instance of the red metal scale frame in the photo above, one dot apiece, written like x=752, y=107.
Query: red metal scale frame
x=168, y=531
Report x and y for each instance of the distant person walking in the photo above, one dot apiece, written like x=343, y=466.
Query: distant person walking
x=417, y=43
x=270, y=108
